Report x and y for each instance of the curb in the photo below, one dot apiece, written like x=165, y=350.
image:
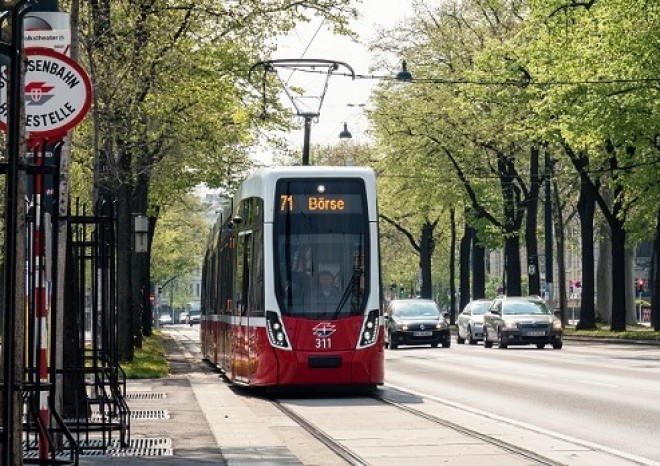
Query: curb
x=616, y=341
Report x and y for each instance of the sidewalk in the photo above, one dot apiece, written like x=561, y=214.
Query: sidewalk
x=196, y=413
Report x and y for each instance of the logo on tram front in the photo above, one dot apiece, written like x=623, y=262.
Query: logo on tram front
x=324, y=329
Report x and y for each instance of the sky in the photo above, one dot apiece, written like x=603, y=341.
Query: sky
x=345, y=99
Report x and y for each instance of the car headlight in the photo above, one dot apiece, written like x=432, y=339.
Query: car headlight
x=509, y=324
x=556, y=324
x=402, y=327
x=441, y=325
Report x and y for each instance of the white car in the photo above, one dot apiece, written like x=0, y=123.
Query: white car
x=165, y=319
x=183, y=318
x=470, y=322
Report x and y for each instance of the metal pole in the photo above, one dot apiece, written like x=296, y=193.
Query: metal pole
x=11, y=433
x=308, y=128
x=548, y=230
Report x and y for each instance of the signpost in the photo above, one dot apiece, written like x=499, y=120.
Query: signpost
x=58, y=95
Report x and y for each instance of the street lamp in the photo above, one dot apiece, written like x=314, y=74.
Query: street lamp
x=404, y=74
x=345, y=135
x=141, y=227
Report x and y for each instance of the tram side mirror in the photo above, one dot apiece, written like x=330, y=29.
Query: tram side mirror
x=445, y=315
x=237, y=220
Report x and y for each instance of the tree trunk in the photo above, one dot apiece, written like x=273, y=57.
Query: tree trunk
x=452, y=267
x=512, y=264
x=560, y=240
x=631, y=309
x=478, y=268
x=425, y=255
x=604, y=295
x=619, y=291
x=655, y=277
x=124, y=300
x=464, y=267
x=586, y=211
x=531, y=224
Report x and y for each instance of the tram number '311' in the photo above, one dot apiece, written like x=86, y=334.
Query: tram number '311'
x=324, y=343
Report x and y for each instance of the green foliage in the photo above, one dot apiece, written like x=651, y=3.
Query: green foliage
x=149, y=361
x=496, y=79
x=179, y=240
x=632, y=332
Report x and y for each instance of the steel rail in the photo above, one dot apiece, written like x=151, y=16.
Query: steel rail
x=341, y=451
x=523, y=452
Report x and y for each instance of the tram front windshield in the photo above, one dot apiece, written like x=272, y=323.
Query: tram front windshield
x=321, y=247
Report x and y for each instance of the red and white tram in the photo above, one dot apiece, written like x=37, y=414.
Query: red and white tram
x=291, y=280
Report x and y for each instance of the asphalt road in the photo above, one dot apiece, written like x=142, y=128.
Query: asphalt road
x=601, y=394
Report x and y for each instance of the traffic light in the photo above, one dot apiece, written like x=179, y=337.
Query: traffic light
x=639, y=284
x=402, y=292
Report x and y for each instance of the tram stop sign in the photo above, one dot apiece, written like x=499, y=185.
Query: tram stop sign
x=58, y=95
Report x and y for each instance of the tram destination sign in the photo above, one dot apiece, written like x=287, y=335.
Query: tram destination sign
x=319, y=204
x=58, y=95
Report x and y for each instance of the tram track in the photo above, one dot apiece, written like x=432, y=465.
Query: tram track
x=354, y=458
x=336, y=447
x=616, y=455
x=516, y=450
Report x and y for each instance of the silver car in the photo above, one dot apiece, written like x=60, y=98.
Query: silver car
x=469, y=323
x=522, y=320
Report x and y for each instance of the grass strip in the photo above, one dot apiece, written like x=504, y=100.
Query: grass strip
x=149, y=361
x=632, y=332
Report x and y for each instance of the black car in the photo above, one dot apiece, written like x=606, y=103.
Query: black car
x=521, y=320
x=416, y=322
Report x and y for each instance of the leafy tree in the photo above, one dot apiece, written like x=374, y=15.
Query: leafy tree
x=605, y=119
x=172, y=103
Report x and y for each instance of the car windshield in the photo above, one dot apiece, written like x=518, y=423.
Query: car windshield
x=526, y=308
x=480, y=309
x=411, y=310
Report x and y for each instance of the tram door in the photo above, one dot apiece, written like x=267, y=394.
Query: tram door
x=242, y=353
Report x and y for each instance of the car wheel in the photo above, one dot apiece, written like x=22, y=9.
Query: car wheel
x=470, y=337
x=434, y=345
x=446, y=344
x=557, y=345
x=500, y=341
x=540, y=345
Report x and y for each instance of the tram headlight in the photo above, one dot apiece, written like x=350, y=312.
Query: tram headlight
x=275, y=331
x=370, y=329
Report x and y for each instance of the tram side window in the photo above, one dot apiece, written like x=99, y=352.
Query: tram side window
x=256, y=301
x=226, y=277
x=243, y=261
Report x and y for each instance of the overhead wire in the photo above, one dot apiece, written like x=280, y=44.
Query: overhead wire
x=309, y=44
x=517, y=83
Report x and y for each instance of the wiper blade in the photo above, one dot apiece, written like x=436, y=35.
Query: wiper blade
x=357, y=273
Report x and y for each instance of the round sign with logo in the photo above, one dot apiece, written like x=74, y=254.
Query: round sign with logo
x=58, y=95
